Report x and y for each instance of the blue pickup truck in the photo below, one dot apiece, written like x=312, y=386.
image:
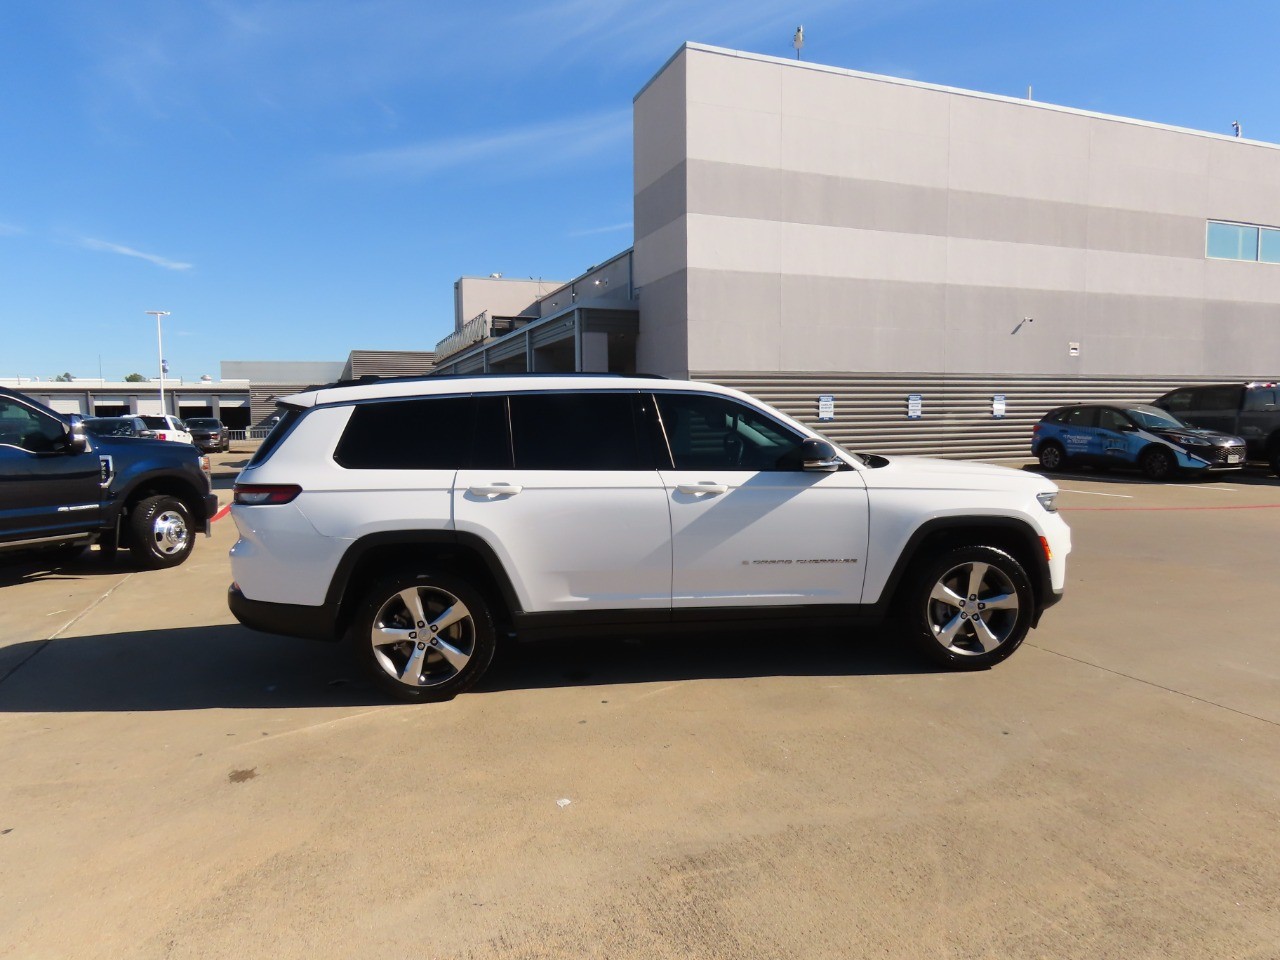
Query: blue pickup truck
x=63, y=490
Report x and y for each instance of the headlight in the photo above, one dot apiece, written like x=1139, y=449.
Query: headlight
x=1188, y=441
x=1047, y=500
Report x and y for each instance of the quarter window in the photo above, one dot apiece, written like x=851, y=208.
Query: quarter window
x=717, y=433
x=420, y=434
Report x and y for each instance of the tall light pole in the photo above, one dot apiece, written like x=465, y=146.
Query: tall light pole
x=160, y=348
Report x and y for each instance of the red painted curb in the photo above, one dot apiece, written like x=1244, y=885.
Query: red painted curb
x=222, y=513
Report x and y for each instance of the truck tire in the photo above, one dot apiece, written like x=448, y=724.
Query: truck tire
x=160, y=532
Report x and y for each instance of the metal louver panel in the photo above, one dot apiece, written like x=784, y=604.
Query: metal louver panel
x=956, y=420
x=390, y=363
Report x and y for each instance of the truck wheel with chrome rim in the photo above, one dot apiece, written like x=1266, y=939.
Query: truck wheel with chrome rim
x=425, y=637
x=969, y=608
x=160, y=532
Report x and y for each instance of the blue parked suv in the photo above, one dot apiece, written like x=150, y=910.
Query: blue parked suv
x=1137, y=436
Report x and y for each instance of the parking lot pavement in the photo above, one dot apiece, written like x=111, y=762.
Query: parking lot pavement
x=178, y=787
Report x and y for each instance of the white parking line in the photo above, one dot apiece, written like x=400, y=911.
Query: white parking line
x=1094, y=493
x=1209, y=486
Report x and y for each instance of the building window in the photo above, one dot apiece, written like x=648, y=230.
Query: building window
x=1269, y=248
x=1232, y=241
x=1242, y=241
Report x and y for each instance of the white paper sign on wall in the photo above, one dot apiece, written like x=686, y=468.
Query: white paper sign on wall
x=915, y=406
x=826, y=407
x=997, y=405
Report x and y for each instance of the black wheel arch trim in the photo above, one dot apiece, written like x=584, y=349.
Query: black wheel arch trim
x=1041, y=581
x=336, y=596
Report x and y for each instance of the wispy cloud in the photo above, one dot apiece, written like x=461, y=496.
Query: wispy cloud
x=612, y=228
x=10, y=230
x=519, y=150
x=90, y=244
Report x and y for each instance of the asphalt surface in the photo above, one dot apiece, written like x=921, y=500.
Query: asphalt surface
x=176, y=786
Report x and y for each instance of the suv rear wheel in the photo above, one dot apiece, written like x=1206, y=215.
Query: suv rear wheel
x=424, y=636
x=969, y=608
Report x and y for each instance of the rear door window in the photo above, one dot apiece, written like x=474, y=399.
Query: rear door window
x=577, y=431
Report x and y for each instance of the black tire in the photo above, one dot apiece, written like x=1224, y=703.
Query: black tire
x=1052, y=457
x=160, y=532
x=443, y=663
x=947, y=612
x=1273, y=460
x=1158, y=464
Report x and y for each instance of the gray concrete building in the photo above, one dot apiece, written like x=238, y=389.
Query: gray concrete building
x=944, y=265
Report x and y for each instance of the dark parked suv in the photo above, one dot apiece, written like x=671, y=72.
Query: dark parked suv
x=208, y=434
x=1248, y=410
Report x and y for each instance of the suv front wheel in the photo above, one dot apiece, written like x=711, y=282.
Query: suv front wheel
x=425, y=637
x=969, y=608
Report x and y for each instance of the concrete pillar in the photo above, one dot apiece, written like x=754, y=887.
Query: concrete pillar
x=595, y=352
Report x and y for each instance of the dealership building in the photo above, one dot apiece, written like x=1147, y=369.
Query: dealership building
x=905, y=266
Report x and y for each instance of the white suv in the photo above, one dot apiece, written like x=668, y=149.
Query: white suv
x=423, y=519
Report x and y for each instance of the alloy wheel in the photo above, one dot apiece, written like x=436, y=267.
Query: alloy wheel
x=972, y=608
x=423, y=636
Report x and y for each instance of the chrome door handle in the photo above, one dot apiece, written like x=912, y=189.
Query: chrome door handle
x=704, y=487
x=495, y=489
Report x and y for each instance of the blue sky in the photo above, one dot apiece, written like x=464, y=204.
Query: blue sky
x=293, y=179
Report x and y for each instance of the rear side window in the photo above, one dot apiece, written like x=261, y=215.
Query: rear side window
x=1081, y=417
x=576, y=431
x=1176, y=402
x=1215, y=398
x=287, y=420
x=421, y=434
x=1260, y=400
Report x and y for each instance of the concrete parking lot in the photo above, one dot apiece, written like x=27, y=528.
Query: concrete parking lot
x=176, y=786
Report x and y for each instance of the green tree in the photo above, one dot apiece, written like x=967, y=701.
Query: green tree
x=63, y=378
x=135, y=378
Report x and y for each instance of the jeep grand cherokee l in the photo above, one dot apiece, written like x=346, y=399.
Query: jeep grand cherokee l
x=423, y=520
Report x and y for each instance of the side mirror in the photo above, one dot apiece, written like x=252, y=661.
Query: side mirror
x=77, y=442
x=819, y=456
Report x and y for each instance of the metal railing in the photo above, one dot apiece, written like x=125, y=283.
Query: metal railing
x=253, y=433
x=473, y=331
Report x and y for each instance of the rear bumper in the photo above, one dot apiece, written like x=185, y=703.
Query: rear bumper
x=287, y=619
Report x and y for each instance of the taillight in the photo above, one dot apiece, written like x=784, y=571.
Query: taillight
x=257, y=494
x=1035, y=429
x=162, y=436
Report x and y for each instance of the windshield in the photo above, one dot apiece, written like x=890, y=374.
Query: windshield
x=156, y=423
x=204, y=423
x=1153, y=418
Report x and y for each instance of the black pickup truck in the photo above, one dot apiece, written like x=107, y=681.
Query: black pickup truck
x=63, y=490
x=1249, y=410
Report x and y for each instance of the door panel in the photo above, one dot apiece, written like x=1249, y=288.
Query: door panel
x=573, y=540
x=748, y=526
x=773, y=537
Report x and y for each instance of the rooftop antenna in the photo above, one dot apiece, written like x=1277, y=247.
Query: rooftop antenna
x=1235, y=125
x=798, y=40
x=1029, y=96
